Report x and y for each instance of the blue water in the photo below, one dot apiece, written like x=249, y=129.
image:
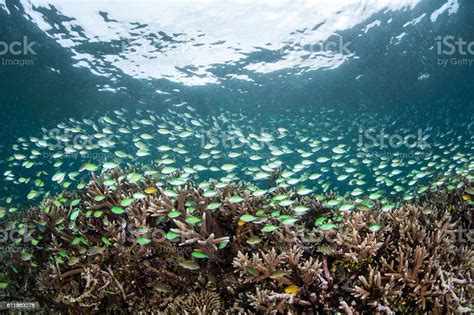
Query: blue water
x=292, y=59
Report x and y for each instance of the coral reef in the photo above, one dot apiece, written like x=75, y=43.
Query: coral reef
x=121, y=246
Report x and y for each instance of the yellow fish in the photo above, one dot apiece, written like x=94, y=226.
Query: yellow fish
x=151, y=190
x=292, y=289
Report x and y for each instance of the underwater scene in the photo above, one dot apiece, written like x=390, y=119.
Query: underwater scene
x=237, y=157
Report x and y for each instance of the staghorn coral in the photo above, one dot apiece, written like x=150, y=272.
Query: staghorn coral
x=136, y=247
x=202, y=302
x=408, y=271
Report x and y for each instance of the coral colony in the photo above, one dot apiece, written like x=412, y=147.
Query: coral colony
x=122, y=245
x=181, y=212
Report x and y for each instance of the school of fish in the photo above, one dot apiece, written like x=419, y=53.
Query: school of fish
x=364, y=157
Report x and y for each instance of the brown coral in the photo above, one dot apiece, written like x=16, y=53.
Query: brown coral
x=93, y=252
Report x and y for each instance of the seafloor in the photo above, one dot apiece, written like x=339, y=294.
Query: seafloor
x=139, y=248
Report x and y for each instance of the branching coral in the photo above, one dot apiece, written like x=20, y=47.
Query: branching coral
x=201, y=302
x=121, y=246
x=408, y=270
